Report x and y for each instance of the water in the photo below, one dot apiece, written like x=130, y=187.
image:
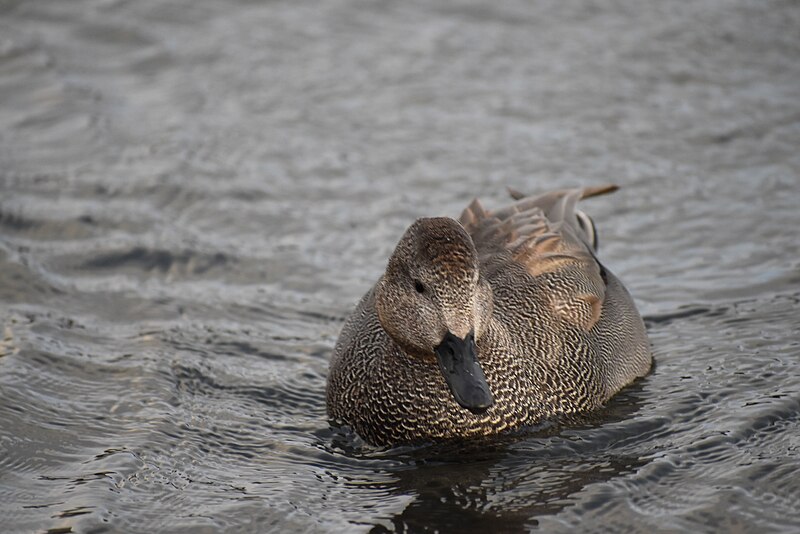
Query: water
x=195, y=194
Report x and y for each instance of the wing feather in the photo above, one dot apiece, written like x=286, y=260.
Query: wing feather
x=542, y=233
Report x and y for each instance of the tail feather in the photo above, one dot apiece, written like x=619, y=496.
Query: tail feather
x=528, y=214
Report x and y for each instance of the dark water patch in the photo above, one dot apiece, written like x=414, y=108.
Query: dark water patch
x=162, y=261
x=684, y=313
x=15, y=222
x=242, y=348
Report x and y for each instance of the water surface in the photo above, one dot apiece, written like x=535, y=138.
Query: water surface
x=193, y=196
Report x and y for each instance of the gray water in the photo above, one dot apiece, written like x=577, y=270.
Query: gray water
x=194, y=194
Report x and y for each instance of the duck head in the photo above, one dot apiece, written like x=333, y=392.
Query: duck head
x=434, y=304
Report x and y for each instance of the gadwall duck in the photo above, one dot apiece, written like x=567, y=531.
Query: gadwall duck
x=486, y=324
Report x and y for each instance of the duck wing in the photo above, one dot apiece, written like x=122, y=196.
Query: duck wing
x=550, y=238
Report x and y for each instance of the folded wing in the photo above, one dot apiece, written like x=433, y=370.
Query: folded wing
x=550, y=238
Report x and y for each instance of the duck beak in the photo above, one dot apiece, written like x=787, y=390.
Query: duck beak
x=459, y=365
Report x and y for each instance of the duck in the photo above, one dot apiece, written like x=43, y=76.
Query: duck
x=496, y=321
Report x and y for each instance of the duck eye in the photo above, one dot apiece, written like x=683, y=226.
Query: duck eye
x=419, y=287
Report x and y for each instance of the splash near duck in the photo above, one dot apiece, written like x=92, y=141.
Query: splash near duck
x=498, y=320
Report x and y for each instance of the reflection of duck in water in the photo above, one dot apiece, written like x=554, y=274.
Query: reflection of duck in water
x=487, y=325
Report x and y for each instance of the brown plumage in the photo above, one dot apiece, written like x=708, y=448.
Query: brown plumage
x=485, y=324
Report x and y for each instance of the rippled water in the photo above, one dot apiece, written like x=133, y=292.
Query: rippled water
x=195, y=194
